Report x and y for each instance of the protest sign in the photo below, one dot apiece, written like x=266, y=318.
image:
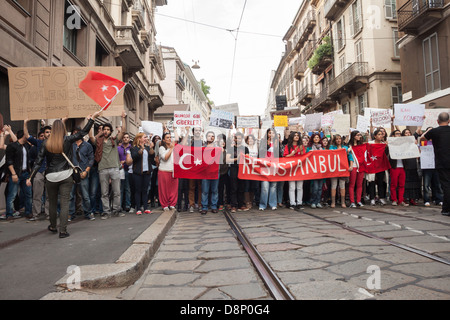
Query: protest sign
x=363, y=124
x=409, y=114
x=381, y=117
x=403, y=148
x=313, y=122
x=341, y=124
x=221, y=119
x=152, y=128
x=280, y=121
x=187, y=119
x=431, y=117
x=290, y=112
x=427, y=157
x=327, y=120
x=266, y=124
x=247, y=122
x=53, y=93
x=312, y=165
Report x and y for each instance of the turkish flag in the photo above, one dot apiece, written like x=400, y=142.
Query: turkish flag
x=371, y=157
x=101, y=88
x=196, y=163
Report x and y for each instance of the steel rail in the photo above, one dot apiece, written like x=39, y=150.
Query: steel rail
x=270, y=279
x=392, y=243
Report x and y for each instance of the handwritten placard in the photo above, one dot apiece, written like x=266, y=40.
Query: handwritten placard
x=182, y=119
x=247, y=122
x=409, y=114
x=53, y=92
x=327, y=120
x=381, y=117
x=313, y=122
x=280, y=121
x=403, y=148
x=431, y=117
x=221, y=119
x=427, y=157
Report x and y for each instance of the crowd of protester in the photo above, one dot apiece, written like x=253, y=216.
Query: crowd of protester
x=120, y=176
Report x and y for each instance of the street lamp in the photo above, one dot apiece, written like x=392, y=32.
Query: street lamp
x=195, y=66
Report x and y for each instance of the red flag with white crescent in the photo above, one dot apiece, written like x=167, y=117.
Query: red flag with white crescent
x=101, y=88
x=196, y=163
x=371, y=157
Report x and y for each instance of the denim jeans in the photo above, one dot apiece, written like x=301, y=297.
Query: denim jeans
x=316, y=191
x=268, y=194
x=125, y=192
x=207, y=187
x=280, y=191
x=432, y=189
x=13, y=189
x=86, y=201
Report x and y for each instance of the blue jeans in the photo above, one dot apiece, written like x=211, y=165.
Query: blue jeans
x=316, y=191
x=431, y=186
x=207, y=187
x=27, y=192
x=86, y=201
x=280, y=191
x=125, y=192
x=268, y=194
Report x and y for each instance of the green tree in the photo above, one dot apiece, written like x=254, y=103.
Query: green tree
x=206, y=90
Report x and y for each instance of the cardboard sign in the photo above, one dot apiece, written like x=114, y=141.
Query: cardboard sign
x=431, y=117
x=341, y=124
x=403, y=148
x=247, y=122
x=53, y=93
x=280, y=121
x=313, y=122
x=289, y=112
x=327, y=120
x=427, y=157
x=381, y=117
x=184, y=119
x=152, y=128
x=409, y=114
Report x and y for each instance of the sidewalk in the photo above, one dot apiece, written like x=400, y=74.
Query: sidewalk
x=109, y=253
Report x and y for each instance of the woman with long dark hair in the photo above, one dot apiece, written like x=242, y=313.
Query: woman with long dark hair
x=315, y=143
x=356, y=177
x=295, y=148
x=269, y=149
x=167, y=184
x=58, y=176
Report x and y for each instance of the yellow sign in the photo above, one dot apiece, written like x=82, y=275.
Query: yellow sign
x=280, y=121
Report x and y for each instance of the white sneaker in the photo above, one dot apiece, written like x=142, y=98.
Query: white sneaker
x=313, y=206
x=360, y=204
x=427, y=204
x=261, y=209
x=274, y=208
x=352, y=205
x=372, y=202
x=394, y=203
x=383, y=202
x=319, y=206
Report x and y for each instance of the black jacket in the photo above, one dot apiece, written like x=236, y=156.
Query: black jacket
x=56, y=162
x=14, y=156
x=138, y=160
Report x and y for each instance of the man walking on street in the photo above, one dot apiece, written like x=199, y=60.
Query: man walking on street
x=125, y=192
x=440, y=137
x=107, y=156
x=83, y=157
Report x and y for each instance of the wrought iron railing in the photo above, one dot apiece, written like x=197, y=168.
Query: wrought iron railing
x=414, y=8
x=357, y=69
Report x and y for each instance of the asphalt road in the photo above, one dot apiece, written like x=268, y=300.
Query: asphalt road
x=32, y=259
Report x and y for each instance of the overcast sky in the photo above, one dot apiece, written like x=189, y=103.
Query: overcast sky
x=256, y=55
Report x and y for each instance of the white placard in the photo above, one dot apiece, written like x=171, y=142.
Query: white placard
x=427, y=157
x=403, y=148
x=431, y=117
x=341, y=124
x=313, y=122
x=363, y=124
x=381, y=117
x=187, y=119
x=152, y=128
x=409, y=114
x=327, y=120
x=247, y=122
x=221, y=119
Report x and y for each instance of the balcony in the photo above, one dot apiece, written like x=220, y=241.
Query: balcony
x=332, y=8
x=306, y=27
x=351, y=79
x=306, y=95
x=416, y=15
x=180, y=83
x=322, y=100
x=128, y=48
x=156, y=95
x=299, y=72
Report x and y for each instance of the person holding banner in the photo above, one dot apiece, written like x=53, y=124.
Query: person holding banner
x=441, y=143
x=167, y=184
x=295, y=148
x=378, y=179
x=356, y=175
x=237, y=185
x=58, y=175
x=269, y=148
x=252, y=188
x=413, y=182
x=398, y=176
x=315, y=143
x=337, y=143
x=210, y=187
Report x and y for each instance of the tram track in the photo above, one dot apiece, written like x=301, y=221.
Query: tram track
x=275, y=286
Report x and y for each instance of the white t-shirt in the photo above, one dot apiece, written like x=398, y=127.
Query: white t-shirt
x=165, y=165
